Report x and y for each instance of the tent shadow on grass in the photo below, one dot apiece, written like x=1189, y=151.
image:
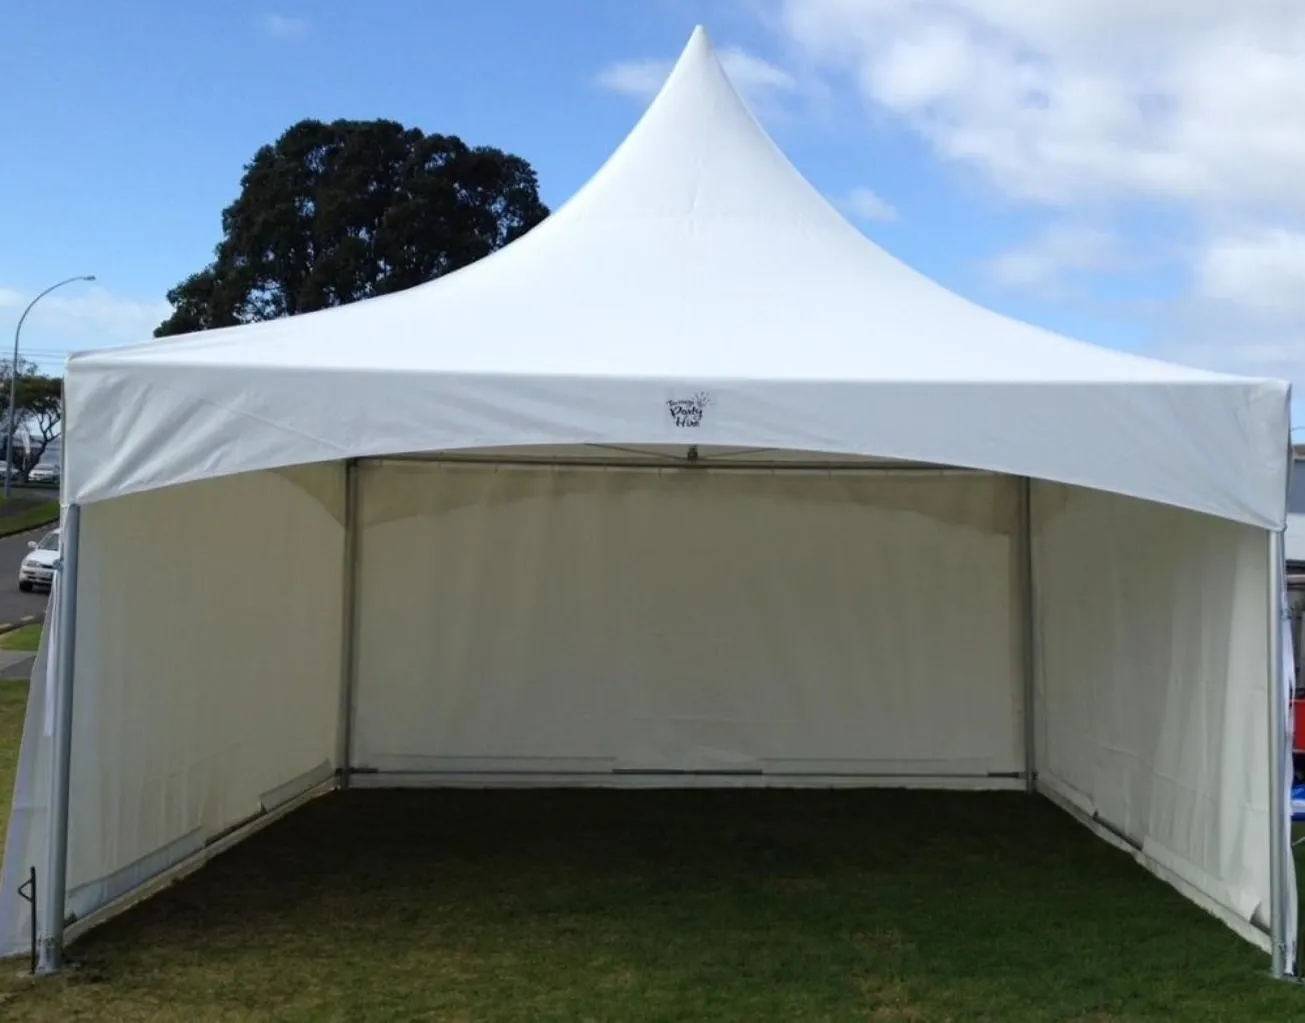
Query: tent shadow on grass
x=652, y=905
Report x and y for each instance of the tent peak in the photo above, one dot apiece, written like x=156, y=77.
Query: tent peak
x=699, y=45
x=698, y=58
x=697, y=154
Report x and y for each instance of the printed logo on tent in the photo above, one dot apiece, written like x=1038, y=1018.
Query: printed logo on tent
x=687, y=412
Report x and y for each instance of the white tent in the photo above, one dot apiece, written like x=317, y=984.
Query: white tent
x=692, y=485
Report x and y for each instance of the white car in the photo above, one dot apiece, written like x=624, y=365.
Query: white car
x=44, y=474
x=37, y=568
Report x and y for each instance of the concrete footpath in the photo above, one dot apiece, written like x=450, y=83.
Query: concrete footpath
x=16, y=664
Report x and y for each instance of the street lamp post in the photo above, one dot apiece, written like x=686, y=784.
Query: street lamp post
x=13, y=379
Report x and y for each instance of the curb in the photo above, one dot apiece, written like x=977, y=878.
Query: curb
x=8, y=627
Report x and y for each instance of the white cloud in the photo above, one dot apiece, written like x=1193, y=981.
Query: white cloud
x=637, y=78
x=1261, y=273
x=1194, y=109
x=865, y=204
x=1057, y=250
x=284, y=26
x=89, y=317
x=1246, y=313
x=759, y=81
x=1200, y=101
x=753, y=76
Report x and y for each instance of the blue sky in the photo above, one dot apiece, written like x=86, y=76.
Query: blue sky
x=1033, y=160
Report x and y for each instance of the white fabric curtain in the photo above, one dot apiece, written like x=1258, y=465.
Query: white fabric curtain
x=1152, y=701
x=562, y=621
x=25, y=839
x=613, y=625
x=207, y=677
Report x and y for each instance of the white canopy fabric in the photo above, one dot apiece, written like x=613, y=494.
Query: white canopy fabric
x=1105, y=631
x=696, y=290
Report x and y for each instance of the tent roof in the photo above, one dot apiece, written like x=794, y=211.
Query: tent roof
x=696, y=262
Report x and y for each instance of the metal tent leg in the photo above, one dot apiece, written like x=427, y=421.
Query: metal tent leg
x=1027, y=604
x=348, y=627
x=1279, y=768
x=54, y=887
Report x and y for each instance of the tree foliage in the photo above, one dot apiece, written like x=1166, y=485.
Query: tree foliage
x=333, y=213
x=40, y=413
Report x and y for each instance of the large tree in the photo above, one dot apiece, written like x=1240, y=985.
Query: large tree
x=40, y=414
x=332, y=213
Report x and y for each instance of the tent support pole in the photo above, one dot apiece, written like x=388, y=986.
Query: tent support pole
x=348, y=627
x=1279, y=764
x=54, y=887
x=1028, y=631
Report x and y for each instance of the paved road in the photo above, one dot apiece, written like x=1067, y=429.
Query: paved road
x=14, y=604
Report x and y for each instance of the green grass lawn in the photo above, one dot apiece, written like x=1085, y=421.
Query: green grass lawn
x=19, y=514
x=26, y=638
x=13, y=704
x=663, y=906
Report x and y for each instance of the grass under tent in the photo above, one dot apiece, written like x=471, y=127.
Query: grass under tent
x=889, y=907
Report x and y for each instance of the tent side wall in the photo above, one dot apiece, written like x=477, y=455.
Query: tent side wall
x=207, y=673
x=490, y=647
x=208, y=667
x=628, y=626
x=1152, y=700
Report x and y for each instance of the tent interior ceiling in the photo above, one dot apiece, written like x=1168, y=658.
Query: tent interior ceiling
x=674, y=455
